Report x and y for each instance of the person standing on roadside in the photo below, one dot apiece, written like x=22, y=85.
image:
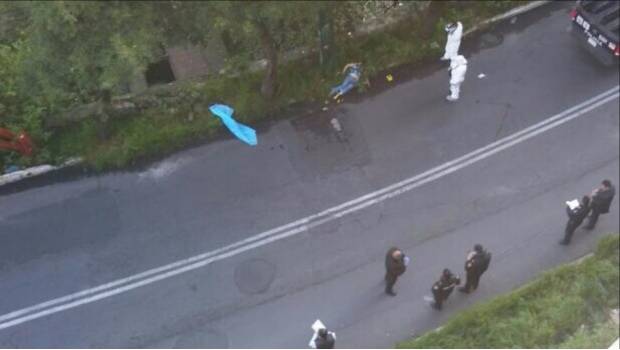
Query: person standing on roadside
x=395, y=265
x=600, y=201
x=458, y=68
x=455, y=32
x=476, y=263
x=575, y=218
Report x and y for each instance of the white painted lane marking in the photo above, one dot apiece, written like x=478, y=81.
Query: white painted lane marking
x=304, y=224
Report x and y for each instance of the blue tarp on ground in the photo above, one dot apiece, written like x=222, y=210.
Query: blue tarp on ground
x=242, y=132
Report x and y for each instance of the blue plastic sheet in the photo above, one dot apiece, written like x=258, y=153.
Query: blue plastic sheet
x=242, y=132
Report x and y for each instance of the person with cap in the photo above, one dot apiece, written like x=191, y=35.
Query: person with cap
x=575, y=218
x=476, y=263
x=325, y=339
x=455, y=32
x=458, y=68
x=444, y=287
x=395, y=265
x=600, y=200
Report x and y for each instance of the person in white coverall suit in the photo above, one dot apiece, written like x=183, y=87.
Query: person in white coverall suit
x=455, y=32
x=458, y=68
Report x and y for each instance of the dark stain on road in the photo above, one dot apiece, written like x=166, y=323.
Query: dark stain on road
x=326, y=143
x=254, y=276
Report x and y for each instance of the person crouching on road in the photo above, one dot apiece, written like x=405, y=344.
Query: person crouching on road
x=458, y=68
x=444, y=287
x=395, y=265
x=575, y=218
x=476, y=263
x=601, y=199
x=325, y=339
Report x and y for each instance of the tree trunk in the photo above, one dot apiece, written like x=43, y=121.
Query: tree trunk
x=271, y=54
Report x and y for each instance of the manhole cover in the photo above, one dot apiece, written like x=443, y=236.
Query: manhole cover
x=254, y=276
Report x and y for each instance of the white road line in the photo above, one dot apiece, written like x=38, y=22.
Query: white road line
x=302, y=225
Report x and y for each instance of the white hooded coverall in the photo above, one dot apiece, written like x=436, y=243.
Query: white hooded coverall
x=453, y=42
x=458, y=68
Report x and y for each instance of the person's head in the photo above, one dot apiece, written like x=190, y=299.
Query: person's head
x=606, y=183
x=585, y=200
x=478, y=248
x=446, y=273
x=450, y=27
x=397, y=254
x=322, y=332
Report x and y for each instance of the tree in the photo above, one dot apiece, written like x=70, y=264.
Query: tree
x=275, y=25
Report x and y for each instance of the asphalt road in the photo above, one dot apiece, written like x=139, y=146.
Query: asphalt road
x=72, y=236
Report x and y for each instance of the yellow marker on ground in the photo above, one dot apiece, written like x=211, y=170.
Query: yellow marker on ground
x=389, y=77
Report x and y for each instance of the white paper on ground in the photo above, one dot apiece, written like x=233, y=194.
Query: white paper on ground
x=573, y=204
x=317, y=325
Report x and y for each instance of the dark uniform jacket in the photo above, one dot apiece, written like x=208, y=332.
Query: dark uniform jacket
x=578, y=214
x=327, y=342
x=394, y=267
x=478, y=262
x=445, y=285
x=601, y=201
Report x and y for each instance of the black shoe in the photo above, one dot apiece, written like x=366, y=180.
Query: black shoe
x=563, y=242
x=436, y=306
x=463, y=290
x=390, y=293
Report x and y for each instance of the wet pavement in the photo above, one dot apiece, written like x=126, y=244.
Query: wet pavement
x=65, y=236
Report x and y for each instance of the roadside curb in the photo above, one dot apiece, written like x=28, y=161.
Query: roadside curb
x=46, y=168
x=36, y=171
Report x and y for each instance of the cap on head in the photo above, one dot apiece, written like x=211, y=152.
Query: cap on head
x=447, y=272
x=322, y=332
x=606, y=183
x=450, y=27
x=478, y=247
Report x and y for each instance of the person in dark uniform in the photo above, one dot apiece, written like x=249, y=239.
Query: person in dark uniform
x=325, y=339
x=476, y=263
x=444, y=287
x=394, y=266
x=600, y=202
x=575, y=218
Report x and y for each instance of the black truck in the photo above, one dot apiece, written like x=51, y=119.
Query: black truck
x=596, y=25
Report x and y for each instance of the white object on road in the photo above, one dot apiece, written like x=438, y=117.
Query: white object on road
x=574, y=204
x=406, y=260
x=481, y=75
x=455, y=32
x=458, y=68
x=315, y=327
x=429, y=298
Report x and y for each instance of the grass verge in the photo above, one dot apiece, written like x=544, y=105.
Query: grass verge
x=567, y=307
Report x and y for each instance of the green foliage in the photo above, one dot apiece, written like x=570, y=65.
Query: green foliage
x=64, y=53
x=565, y=307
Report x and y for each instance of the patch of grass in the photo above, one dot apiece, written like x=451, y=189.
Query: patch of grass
x=565, y=307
